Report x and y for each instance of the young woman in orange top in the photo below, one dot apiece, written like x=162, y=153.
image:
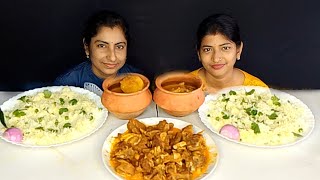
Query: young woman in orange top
x=219, y=46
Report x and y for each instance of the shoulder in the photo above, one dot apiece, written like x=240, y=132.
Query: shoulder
x=199, y=73
x=84, y=66
x=72, y=76
x=196, y=72
x=250, y=80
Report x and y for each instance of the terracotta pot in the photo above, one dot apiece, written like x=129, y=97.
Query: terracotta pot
x=125, y=105
x=176, y=103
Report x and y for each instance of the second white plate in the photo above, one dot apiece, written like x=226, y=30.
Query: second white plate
x=207, y=109
x=106, y=148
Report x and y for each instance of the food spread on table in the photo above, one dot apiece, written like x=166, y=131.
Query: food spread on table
x=258, y=116
x=50, y=117
x=160, y=151
x=251, y=115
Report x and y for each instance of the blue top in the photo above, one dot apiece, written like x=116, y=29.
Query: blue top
x=83, y=76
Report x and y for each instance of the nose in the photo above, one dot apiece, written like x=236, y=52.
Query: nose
x=216, y=57
x=111, y=55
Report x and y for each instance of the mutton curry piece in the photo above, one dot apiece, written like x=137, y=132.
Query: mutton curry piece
x=159, y=152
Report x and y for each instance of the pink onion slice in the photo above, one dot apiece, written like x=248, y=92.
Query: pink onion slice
x=13, y=134
x=230, y=132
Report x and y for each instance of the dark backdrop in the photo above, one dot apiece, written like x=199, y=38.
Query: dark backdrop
x=41, y=39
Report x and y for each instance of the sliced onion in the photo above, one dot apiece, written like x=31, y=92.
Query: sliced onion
x=13, y=134
x=230, y=132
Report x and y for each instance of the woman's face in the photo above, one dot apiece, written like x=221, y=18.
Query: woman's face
x=218, y=55
x=107, y=51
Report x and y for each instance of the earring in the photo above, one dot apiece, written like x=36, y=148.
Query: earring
x=238, y=58
x=87, y=56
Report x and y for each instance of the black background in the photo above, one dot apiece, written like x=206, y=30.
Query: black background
x=41, y=39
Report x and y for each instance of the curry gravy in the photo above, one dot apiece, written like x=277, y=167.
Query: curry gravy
x=179, y=86
x=115, y=88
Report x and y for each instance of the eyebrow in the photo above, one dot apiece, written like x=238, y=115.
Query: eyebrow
x=206, y=46
x=224, y=44
x=108, y=42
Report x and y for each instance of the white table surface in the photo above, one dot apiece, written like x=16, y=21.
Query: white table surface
x=82, y=159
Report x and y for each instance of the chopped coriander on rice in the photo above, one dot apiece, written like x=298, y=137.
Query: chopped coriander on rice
x=261, y=117
x=53, y=117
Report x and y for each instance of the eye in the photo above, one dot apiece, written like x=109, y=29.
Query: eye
x=225, y=48
x=206, y=49
x=120, y=46
x=101, y=45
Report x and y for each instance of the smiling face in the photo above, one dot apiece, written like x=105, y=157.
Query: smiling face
x=218, y=55
x=107, y=51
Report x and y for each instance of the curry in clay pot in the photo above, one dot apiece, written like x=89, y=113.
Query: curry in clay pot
x=178, y=93
x=126, y=96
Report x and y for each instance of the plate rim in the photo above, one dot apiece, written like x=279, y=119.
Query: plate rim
x=154, y=121
x=10, y=103
x=311, y=122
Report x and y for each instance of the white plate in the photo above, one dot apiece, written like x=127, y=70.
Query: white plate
x=307, y=117
x=106, y=148
x=10, y=104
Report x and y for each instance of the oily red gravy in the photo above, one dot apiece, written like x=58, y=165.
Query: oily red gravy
x=179, y=87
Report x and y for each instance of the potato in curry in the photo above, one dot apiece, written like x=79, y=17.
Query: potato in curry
x=131, y=84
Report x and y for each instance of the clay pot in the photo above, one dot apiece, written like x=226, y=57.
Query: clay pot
x=125, y=105
x=177, y=103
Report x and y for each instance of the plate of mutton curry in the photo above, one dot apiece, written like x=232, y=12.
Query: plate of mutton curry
x=158, y=149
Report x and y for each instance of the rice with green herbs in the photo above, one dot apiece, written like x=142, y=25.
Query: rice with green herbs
x=261, y=117
x=48, y=118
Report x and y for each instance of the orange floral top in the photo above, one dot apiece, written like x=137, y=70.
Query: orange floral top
x=249, y=80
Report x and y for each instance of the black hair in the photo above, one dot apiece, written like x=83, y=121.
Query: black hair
x=219, y=24
x=104, y=18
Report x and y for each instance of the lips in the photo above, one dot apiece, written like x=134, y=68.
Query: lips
x=217, y=66
x=110, y=66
